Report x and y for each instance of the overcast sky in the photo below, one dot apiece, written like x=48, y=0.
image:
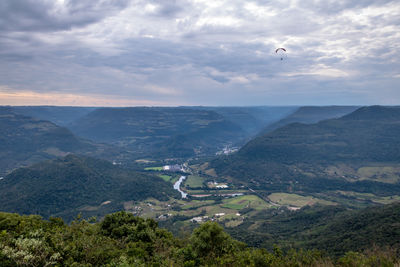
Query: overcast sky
x=199, y=52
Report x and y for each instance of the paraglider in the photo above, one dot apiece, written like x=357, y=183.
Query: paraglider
x=281, y=52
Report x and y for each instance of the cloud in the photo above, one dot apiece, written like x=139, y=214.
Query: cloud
x=202, y=52
x=51, y=15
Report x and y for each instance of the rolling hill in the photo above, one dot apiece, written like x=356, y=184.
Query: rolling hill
x=67, y=186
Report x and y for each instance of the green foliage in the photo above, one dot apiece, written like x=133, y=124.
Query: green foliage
x=122, y=239
x=210, y=241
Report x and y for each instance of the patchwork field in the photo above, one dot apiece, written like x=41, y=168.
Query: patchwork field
x=233, y=205
x=227, y=211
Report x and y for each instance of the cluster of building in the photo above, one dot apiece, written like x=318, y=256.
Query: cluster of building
x=227, y=150
x=173, y=168
x=201, y=219
x=217, y=185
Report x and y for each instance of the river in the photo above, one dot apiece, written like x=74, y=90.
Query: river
x=177, y=186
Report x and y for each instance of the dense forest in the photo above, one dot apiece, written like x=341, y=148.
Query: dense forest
x=122, y=239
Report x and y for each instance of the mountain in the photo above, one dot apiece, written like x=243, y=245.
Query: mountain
x=149, y=130
x=361, y=147
x=368, y=134
x=67, y=186
x=60, y=115
x=311, y=114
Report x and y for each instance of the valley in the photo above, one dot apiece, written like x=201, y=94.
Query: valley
x=186, y=166
x=195, y=133
x=232, y=204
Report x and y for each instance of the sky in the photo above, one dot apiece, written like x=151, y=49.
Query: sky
x=199, y=52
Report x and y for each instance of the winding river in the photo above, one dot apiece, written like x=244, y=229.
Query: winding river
x=177, y=186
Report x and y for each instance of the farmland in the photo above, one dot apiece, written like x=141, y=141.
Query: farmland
x=194, y=181
x=295, y=200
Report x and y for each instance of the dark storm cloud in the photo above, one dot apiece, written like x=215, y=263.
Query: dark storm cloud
x=49, y=15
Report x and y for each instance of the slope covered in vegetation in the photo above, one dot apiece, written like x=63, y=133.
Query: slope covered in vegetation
x=124, y=240
x=333, y=229
x=328, y=155
x=69, y=185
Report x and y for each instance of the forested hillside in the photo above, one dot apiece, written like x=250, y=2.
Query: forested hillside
x=67, y=186
x=325, y=155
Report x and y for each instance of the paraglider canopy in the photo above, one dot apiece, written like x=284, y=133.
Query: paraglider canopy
x=281, y=52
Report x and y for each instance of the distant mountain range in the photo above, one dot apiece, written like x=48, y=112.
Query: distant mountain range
x=174, y=132
x=179, y=132
x=70, y=185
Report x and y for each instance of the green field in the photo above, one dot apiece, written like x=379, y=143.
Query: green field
x=169, y=178
x=165, y=177
x=296, y=200
x=246, y=201
x=384, y=174
x=194, y=181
